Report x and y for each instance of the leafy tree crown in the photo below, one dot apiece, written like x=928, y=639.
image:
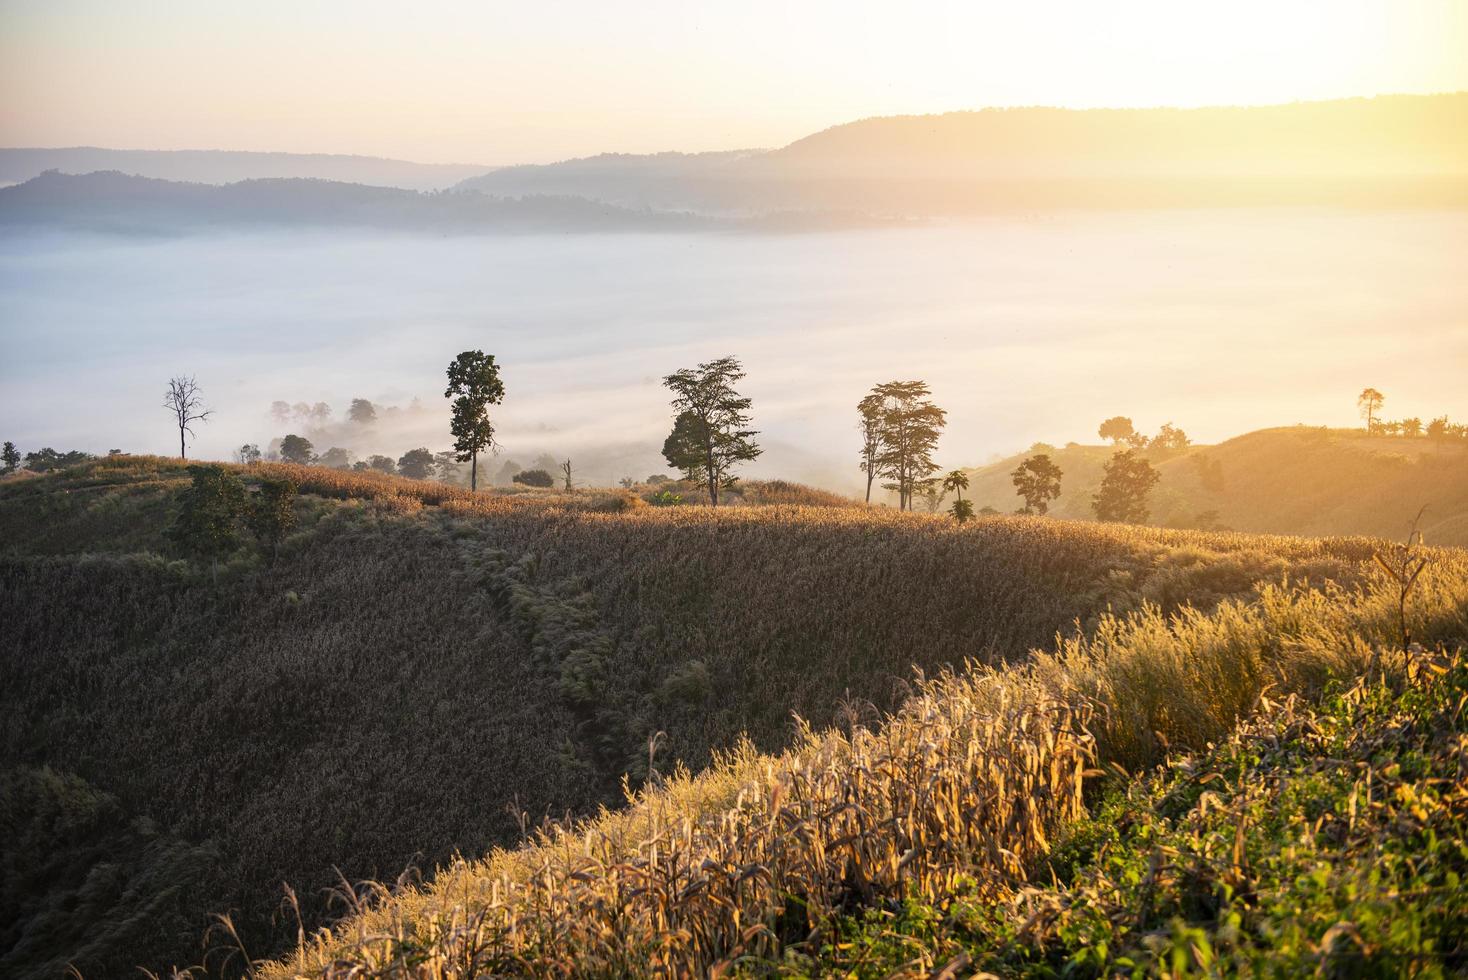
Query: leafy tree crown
x=474, y=385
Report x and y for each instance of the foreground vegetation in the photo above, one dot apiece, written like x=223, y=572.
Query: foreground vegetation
x=932, y=838
x=1328, y=840
x=417, y=673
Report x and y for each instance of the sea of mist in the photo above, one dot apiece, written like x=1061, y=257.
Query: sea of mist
x=1027, y=330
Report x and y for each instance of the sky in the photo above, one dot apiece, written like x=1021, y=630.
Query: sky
x=501, y=83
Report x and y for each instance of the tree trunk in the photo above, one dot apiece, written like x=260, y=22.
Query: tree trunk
x=713, y=477
x=182, y=454
x=474, y=472
x=869, y=483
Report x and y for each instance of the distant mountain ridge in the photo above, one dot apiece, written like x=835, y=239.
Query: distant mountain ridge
x=20, y=164
x=1384, y=151
x=1394, y=134
x=109, y=201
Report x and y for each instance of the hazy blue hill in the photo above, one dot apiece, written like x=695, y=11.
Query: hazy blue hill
x=116, y=202
x=20, y=164
x=701, y=181
x=1394, y=151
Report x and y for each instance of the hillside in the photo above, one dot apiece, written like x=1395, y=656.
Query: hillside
x=20, y=164
x=419, y=671
x=1394, y=134
x=1296, y=480
x=1308, y=818
x=1389, y=151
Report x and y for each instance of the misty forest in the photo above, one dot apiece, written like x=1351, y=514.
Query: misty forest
x=869, y=540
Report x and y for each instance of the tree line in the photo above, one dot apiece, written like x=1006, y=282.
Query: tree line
x=1370, y=401
x=898, y=423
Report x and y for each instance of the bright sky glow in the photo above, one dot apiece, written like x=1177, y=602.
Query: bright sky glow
x=509, y=82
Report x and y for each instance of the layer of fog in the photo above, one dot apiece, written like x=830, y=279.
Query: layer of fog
x=1220, y=322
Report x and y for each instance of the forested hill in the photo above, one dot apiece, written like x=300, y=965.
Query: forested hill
x=1296, y=480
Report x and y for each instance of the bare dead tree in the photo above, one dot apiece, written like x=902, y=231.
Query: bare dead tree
x=186, y=401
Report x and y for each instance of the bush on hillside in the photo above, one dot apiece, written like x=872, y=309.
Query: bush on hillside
x=44, y=460
x=209, y=512
x=271, y=513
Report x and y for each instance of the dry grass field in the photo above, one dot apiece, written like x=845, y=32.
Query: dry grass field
x=760, y=865
x=422, y=675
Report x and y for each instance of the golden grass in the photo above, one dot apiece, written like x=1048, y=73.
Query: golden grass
x=959, y=789
x=420, y=656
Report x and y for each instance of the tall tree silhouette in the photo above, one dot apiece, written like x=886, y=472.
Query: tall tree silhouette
x=956, y=482
x=474, y=385
x=1037, y=480
x=870, y=411
x=910, y=427
x=185, y=400
x=363, y=412
x=718, y=419
x=1118, y=429
x=1369, y=401
x=1123, y=494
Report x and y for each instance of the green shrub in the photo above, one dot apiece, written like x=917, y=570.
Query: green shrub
x=209, y=511
x=271, y=513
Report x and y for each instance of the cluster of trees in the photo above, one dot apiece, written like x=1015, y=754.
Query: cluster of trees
x=900, y=426
x=361, y=411
x=1128, y=477
x=898, y=421
x=41, y=460
x=1120, y=431
x=1369, y=402
x=301, y=413
x=417, y=464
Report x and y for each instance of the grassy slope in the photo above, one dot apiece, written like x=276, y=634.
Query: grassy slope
x=953, y=836
x=418, y=659
x=1280, y=481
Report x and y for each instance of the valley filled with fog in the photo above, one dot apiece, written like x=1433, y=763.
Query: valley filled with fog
x=1027, y=329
